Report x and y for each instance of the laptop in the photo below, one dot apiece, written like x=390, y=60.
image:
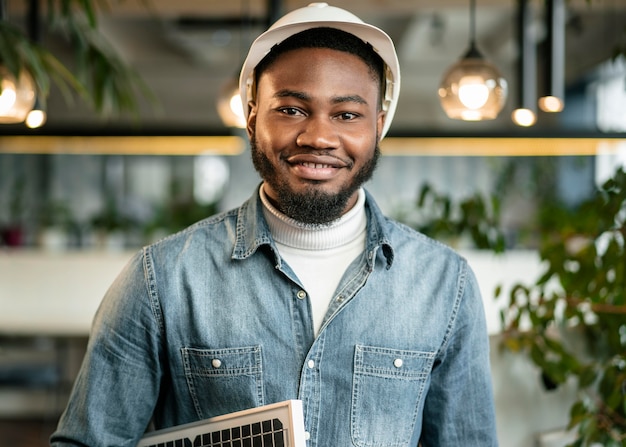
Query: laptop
x=275, y=425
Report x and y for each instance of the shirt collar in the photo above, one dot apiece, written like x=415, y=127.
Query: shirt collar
x=253, y=231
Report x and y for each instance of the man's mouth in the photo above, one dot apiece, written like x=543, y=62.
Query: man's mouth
x=313, y=161
x=315, y=165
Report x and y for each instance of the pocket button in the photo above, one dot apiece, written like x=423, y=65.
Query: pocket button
x=216, y=363
x=398, y=363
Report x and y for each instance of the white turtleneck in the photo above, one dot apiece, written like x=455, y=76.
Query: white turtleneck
x=318, y=254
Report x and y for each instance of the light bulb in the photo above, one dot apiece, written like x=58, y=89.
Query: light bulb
x=550, y=104
x=236, y=107
x=35, y=118
x=472, y=90
x=524, y=117
x=8, y=96
x=473, y=93
x=17, y=97
x=229, y=105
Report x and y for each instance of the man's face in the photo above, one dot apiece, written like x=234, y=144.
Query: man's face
x=314, y=132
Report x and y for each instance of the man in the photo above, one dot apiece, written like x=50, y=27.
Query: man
x=304, y=292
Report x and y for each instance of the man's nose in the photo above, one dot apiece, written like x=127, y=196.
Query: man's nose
x=319, y=133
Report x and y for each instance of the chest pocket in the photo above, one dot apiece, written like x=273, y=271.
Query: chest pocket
x=387, y=394
x=223, y=380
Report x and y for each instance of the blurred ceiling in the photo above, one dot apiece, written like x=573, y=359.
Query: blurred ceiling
x=186, y=50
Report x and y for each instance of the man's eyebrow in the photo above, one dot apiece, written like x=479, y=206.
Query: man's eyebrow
x=349, y=98
x=292, y=94
x=357, y=99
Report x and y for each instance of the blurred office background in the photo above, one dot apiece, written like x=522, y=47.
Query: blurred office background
x=81, y=193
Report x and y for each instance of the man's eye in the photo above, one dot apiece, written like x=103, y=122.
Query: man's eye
x=347, y=116
x=290, y=111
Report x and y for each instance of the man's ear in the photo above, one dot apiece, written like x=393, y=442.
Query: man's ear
x=380, y=122
x=251, y=123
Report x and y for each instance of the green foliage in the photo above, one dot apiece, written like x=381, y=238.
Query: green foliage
x=111, y=218
x=17, y=53
x=437, y=216
x=99, y=76
x=177, y=215
x=111, y=84
x=572, y=320
x=179, y=212
x=55, y=213
x=16, y=200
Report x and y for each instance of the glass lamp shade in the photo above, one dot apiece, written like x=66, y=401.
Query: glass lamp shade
x=473, y=90
x=229, y=105
x=17, y=96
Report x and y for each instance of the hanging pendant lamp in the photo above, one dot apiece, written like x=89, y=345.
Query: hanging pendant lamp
x=472, y=89
x=17, y=96
x=37, y=116
x=553, y=98
x=229, y=106
x=525, y=115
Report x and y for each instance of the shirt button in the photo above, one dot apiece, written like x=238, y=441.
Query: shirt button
x=340, y=299
x=216, y=363
x=398, y=363
x=301, y=294
x=310, y=364
x=307, y=435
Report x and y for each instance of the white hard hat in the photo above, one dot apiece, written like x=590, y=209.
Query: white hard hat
x=317, y=15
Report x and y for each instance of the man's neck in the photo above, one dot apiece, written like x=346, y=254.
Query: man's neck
x=288, y=231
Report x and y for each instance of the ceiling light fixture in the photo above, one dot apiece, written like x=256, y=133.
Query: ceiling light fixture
x=229, y=106
x=37, y=116
x=554, y=98
x=17, y=90
x=17, y=96
x=526, y=114
x=472, y=89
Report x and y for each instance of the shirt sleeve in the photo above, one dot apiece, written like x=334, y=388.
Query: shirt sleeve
x=459, y=407
x=117, y=386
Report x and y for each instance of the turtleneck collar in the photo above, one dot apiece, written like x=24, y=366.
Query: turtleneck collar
x=289, y=232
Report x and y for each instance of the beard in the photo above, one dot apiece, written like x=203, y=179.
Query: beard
x=313, y=206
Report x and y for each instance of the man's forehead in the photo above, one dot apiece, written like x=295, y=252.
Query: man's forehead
x=309, y=59
x=318, y=64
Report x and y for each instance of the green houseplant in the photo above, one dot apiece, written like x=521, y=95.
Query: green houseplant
x=437, y=215
x=97, y=74
x=572, y=320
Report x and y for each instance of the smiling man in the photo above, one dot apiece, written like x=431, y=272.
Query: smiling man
x=315, y=122
x=307, y=291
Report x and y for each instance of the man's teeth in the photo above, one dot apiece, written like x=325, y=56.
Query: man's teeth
x=315, y=165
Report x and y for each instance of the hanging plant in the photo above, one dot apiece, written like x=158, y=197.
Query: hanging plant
x=99, y=75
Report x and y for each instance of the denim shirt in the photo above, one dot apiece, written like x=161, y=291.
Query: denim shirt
x=211, y=320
